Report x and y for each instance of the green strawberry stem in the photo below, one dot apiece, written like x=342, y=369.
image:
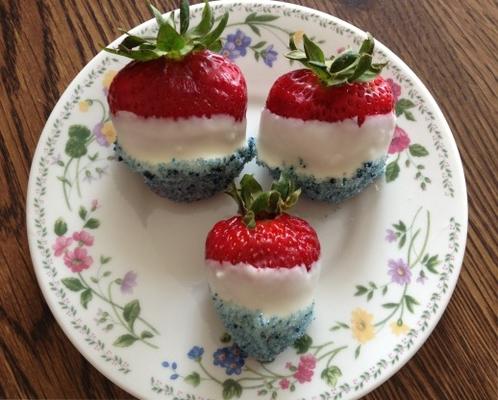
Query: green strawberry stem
x=256, y=204
x=344, y=68
x=172, y=43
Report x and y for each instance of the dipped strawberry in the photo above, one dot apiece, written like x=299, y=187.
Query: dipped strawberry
x=179, y=108
x=328, y=125
x=263, y=266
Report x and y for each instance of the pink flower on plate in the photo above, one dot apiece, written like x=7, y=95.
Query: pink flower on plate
x=308, y=361
x=284, y=383
x=83, y=238
x=78, y=260
x=396, y=88
x=399, y=142
x=303, y=375
x=95, y=204
x=61, y=244
x=307, y=364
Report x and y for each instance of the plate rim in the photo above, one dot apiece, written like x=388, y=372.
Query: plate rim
x=452, y=148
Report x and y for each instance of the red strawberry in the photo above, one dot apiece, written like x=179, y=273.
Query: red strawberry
x=264, y=236
x=331, y=90
x=202, y=84
x=176, y=75
x=300, y=94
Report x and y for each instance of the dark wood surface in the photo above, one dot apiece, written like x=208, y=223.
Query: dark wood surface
x=451, y=46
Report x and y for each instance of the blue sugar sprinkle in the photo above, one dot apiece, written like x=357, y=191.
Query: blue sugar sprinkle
x=190, y=180
x=333, y=189
x=261, y=336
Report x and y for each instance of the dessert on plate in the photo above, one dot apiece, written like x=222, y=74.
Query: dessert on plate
x=179, y=108
x=262, y=267
x=329, y=125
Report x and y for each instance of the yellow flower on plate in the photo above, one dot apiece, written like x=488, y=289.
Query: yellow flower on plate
x=362, y=326
x=399, y=329
x=84, y=105
x=108, y=77
x=109, y=132
x=298, y=37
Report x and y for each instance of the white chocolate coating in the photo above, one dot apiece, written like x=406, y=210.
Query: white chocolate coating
x=323, y=149
x=274, y=291
x=158, y=140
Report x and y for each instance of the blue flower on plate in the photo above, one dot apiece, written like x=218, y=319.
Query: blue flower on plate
x=240, y=40
x=229, y=51
x=173, y=365
x=195, y=353
x=231, y=358
x=236, y=45
x=269, y=55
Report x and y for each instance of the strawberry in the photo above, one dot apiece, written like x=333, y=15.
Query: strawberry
x=179, y=108
x=262, y=268
x=177, y=74
x=264, y=236
x=329, y=125
x=333, y=89
x=202, y=84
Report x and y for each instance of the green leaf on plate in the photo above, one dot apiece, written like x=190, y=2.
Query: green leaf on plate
x=417, y=150
x=253, y=17
x=86, y=297
x=73, y=284
x=146, y=335
x=402, y=240
x=431, y=263
x=231, y=389
x=92, y=223
x=303, y=344
x=255, y=29
x=60, y=227
x=409, y=115
x=331, y=375
x=357, y=351
x=410, y=302
x=104, y=260
x=392, y=171
x=402, y=105
x=79, y=132
x=400, y=226
x=194, y=379
x=258, y=45
x=75, y=147
x=360, y=290
x=125, y=340
x=131, y=311
x=82, y=213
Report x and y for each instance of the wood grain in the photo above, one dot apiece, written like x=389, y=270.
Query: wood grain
x=452, y=46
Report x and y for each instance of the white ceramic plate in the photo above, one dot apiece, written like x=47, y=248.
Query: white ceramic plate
x=122, y=269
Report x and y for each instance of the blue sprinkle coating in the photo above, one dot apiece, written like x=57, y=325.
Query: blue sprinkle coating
x=190, y=180
x=261, y=336
x=333, y=189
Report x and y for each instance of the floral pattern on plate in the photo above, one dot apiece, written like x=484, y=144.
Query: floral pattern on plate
x=103, y=303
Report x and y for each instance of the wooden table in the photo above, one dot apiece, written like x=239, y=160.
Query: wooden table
x=453, y=49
